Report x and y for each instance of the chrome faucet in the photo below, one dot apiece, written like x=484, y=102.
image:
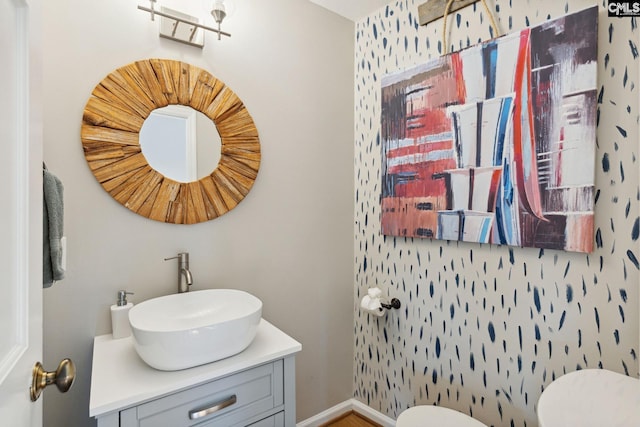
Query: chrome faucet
x=184, y=275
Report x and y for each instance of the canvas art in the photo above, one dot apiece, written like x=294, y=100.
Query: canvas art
x=496, y=143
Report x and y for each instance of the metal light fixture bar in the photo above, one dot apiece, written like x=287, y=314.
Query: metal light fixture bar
x=435, y=9
x=179, y=20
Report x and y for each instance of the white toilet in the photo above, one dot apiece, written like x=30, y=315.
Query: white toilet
x=591, y=398
x=435, y=416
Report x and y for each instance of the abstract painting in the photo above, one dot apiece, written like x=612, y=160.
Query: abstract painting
x=496, y=143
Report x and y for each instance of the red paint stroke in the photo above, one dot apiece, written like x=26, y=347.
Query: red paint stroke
x=558, y=161
x=456, y=65
x=428, y=121
x=425, y=148
x=493, y=190
x=530, y=197
x=426, y=182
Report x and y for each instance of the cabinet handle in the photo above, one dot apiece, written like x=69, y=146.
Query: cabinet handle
x=203, y=412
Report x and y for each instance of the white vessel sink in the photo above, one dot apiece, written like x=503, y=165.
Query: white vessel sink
x=180, y=331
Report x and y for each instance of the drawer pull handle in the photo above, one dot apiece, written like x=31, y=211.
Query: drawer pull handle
x=218, y=406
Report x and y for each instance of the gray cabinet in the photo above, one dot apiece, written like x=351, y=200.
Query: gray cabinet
x=235, y=400
x=261, y=396
x=253, y=388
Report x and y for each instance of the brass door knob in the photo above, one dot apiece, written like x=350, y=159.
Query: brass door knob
x=62, y=377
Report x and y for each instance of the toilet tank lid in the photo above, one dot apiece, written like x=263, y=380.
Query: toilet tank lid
x=590, y=398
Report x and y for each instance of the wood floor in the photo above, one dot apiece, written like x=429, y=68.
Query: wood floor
x=351, y=419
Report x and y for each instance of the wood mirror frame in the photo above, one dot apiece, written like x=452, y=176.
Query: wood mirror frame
x=111, y=124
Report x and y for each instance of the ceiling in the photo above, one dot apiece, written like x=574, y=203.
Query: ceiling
x=352, y=9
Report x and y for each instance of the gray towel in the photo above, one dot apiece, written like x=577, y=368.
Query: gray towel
x=53, y=229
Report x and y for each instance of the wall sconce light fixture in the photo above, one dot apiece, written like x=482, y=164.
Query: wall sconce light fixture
x=219, y=13
x=185, y=28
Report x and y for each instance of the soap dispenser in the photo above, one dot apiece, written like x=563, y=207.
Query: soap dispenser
x=120, y=316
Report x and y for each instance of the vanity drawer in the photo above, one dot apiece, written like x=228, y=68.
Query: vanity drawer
x=221, y=403
x=276, y=420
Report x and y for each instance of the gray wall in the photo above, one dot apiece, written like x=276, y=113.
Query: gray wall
x=289, y=242
x=484, y=328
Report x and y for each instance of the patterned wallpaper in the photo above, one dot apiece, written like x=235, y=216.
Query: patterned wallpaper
x=484, y=328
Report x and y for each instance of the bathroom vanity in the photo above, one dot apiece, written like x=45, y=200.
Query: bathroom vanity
x=253, y=388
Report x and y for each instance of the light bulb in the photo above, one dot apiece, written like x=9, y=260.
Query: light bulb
x=219, y=5
x=228, y=6
x=218, y=11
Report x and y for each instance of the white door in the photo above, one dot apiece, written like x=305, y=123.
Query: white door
x=20, y=210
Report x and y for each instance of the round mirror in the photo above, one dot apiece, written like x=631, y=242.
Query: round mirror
x=112, y=121
x=181, y=143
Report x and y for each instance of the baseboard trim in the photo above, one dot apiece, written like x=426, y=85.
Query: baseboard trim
x=343, y=408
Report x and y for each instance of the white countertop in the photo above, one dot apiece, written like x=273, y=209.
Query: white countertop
x=591, y=398
x=120, y=379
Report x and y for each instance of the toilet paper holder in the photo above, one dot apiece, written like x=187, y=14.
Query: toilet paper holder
x=373, y=302
x=394, y=303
